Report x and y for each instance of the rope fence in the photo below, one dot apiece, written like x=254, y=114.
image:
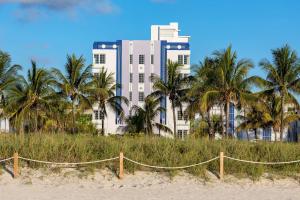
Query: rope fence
x=262, y=163
x=181, y=167
x=121, y=159
x=65, y=163
x=6, y=159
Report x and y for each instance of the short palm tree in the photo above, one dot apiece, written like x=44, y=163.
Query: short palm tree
x=29, y=99
x=231, y=83
x=147, y=115
x=267, y=113
x=282, y=78
x=202, y=81
x=103, y=94
x=75, y=84
x=175, y=87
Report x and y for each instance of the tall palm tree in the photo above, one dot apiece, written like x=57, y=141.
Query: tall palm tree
x=103, y=93
x=8, y=74
x=29, y=99
x=147, y=115
x=7, y=71
x=232, y=84
x=75, y=84
x=202, y=81
x=174, y=87
x=282, y=77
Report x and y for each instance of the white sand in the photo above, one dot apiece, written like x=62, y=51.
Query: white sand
x=72, y=184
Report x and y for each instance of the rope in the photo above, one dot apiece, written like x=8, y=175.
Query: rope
x=160, y=167
x=263, y=163
x=78, y=163
x=6, y=159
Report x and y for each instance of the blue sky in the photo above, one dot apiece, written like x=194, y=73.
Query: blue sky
x=48, y=30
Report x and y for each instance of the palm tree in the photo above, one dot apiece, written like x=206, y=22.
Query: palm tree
x=202, y=81
x=146, y=116
x=7, y=78
x=282, y=77
x=75, y=84
x=103, y=93
x=267, y=113
x=7, y=72
x=174, y=87
x=254, y=119
x=29, y=99
x=231, y=82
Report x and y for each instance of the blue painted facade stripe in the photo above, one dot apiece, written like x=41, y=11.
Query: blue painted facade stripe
x=163, y=76
x=267, y=134
x=118, y=72
x=108, y=45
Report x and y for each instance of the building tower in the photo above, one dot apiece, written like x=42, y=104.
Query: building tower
x=133, y=62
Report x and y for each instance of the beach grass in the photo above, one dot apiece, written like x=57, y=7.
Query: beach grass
x=154, y=151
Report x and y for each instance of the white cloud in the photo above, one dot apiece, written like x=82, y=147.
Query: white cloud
x=30, y=10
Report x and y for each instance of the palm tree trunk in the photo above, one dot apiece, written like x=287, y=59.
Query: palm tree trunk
x=73, y=116
x=281, y=117
x=102, y=128
x=227, y=118
x=36, y=120
x=222, y=121
x=174, y=118
x=210, y=128
x=255, y=134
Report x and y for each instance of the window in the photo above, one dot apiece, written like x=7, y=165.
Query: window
x=130, y=59
x=185, y=75
x=185, y=133
x=101, y=115
x=185, y=115
x=130, y=77
x=180, y=59
x=96, y=74
x=267, y=134
x=102, y=58
x=152, y=59
x=181, y=134
x=186, y=59
x=96, y=58
x=130, y=96
x=141, y=59
x=141, y=96
x=141, y=78
x=179, y=115
x=152, y=76
x=96, y=114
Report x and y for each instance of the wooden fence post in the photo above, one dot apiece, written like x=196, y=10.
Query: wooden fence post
x=16, y=165
x=121, y=172
x=221, y=165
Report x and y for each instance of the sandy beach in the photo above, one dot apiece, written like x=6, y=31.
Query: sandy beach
x=73, y=184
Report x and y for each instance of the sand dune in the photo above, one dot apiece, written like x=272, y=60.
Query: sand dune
x=73, y=184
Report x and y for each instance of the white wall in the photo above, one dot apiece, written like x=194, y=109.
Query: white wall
x=180, y=124
x=110, y=64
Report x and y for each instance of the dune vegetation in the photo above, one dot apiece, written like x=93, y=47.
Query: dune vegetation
x=154, y=151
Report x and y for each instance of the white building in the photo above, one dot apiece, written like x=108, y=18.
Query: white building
x=133, y=62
